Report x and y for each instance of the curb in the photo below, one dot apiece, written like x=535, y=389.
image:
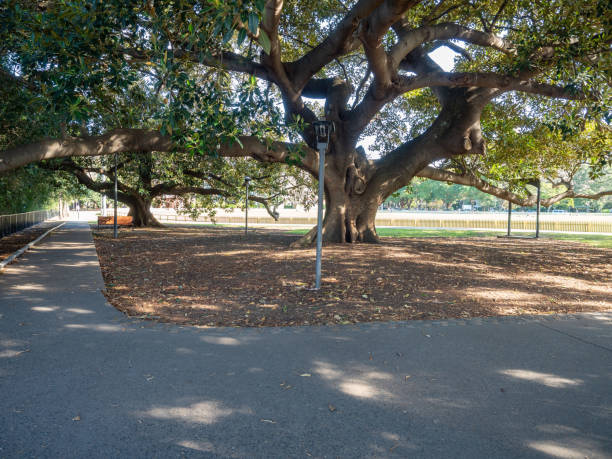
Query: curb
x=21, y=251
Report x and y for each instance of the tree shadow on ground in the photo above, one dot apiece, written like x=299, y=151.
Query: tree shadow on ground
x=376, y=390
x=217, y=277
x=80, y=379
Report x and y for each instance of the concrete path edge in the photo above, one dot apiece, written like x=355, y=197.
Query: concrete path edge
x=26, y=247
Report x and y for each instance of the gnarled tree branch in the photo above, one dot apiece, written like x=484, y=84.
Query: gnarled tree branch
x=142, y=141
x=338, y=42
x=489, y=80
x=410, y=39
x=484, y=186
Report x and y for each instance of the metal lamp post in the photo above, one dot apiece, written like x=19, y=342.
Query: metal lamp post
x=538, y=184
x=115, y=204
x=323, y=129
x=247, y=180
x=509, y=217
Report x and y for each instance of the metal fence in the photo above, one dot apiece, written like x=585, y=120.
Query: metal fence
x=16, y=222
x=549, y=222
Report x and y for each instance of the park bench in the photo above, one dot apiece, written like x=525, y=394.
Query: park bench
x=122, y=220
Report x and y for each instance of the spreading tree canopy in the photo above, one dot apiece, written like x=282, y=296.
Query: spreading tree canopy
x=522, y=150
x=249, y=78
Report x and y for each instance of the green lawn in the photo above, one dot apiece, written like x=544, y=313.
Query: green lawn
x=593, y=239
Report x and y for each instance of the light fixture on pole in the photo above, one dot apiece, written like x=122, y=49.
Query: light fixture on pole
x=323, y=130
x=247, y=180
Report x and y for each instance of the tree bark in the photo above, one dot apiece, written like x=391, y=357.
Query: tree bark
x=346, y=220
x=140, y=211
x=350, y=204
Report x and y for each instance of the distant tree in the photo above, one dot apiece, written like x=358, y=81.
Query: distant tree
x=423, y=192
x=32, y=188
x=142, y=178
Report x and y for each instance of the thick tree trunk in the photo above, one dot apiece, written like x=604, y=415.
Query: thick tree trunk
x=63, y=209
x=346, y=219
x=350, y=208
x=140, y=211
x=355, y=187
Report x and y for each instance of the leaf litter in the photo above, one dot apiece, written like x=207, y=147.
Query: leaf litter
x=213, y=276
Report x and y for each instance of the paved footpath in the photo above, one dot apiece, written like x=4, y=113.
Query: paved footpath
x=79, y=379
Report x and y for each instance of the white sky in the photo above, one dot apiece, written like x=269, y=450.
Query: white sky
x=445, y=58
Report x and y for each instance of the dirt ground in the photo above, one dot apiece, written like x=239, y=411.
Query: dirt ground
x=13, y=242
x=215, y=277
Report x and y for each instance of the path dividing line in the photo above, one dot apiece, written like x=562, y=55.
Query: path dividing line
x=25, y=248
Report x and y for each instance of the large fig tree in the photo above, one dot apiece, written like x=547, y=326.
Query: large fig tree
x=249, y=78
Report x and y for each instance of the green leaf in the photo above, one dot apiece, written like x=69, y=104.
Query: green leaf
x=253, y=23
x=228, y=36
x=264, y=41
x=241, y=36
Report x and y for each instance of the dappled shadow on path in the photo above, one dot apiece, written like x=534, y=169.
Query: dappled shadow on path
x=93, y=382
x=80, y=379
x=397, y=400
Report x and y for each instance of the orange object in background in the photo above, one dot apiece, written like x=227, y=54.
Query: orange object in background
x=122, y=220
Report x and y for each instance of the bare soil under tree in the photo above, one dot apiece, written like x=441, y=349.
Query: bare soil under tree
x=217, y=277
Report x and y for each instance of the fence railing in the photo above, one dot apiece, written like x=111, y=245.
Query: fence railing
x=16, y=222
x=548, y=223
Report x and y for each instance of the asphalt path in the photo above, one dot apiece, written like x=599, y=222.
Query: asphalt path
x=79, y=379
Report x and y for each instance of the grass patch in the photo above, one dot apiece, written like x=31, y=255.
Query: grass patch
x=408, y=232
x=597, y=240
